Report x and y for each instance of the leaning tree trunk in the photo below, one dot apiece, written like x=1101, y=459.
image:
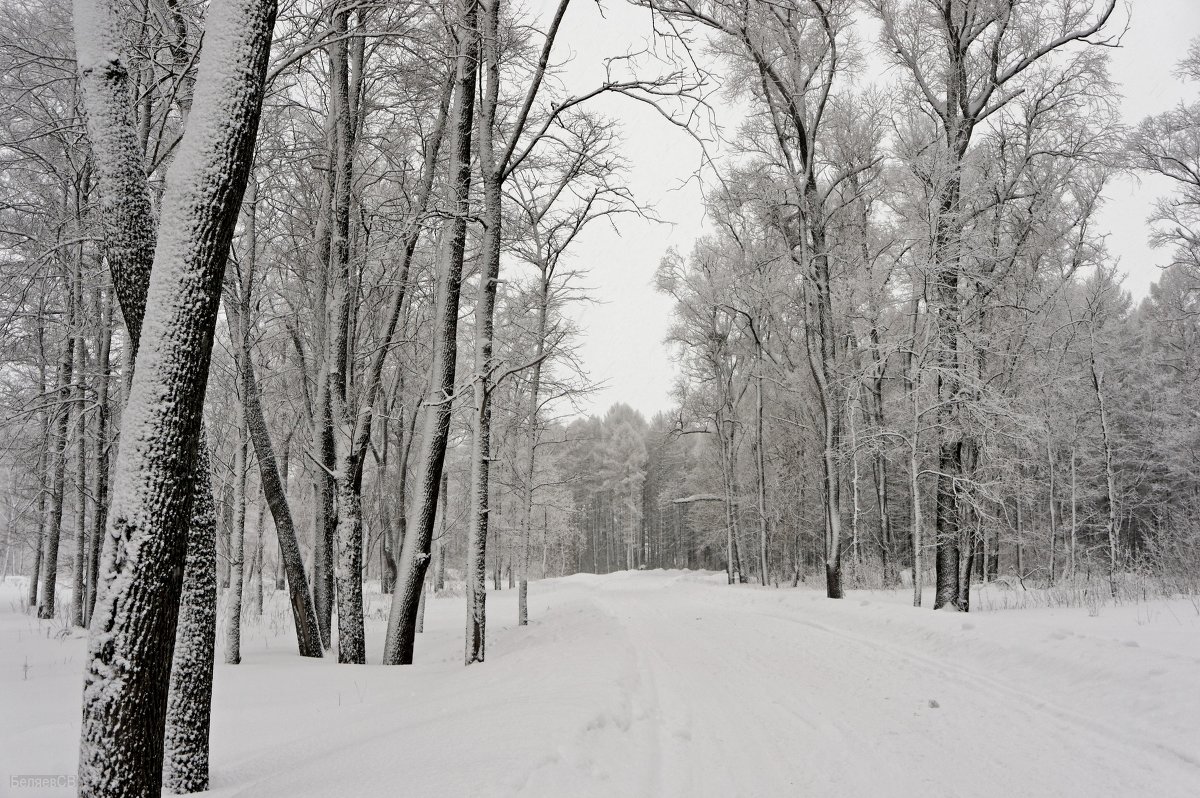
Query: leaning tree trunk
x=308, y=637
x=414, y=554
x=131, y=644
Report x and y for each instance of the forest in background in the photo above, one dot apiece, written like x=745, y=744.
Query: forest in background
x=905, y=354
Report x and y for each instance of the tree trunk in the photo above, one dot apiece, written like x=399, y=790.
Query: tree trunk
x=760, y=461
x=304, y=614
x=324, y=514
x=946, y=533
x=346, y=466
x=414, y=555
x=237, y=546
x=1074, y=506
x=103, y=306
x=1050, y=510
x=44, y=466
x=1110, y=480
x=132, y=636
x=439, y=567
x=78, y=356
x=821, y=347
x=58, y=458
x=189, y=707
x=256, y=564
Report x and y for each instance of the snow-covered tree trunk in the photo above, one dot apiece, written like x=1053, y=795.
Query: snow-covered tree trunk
x=347, y=472
x=348, y=572
x=485, y=309
x=237, y=547
x=132, y=634
x=58, y=465
x=414, y=554
x=189, y=709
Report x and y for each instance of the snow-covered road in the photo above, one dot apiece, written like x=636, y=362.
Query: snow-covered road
x=672, y=684
x=757, y=696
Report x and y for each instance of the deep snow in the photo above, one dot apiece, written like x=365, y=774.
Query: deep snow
x=674, y=684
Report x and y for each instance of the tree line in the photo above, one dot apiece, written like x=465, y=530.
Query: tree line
x=287, y=302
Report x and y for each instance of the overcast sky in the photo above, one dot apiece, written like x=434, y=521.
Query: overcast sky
x=624, y=348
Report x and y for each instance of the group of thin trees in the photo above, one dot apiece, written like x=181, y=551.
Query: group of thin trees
x=285, y=303
x=263, y=265
x=903, y=338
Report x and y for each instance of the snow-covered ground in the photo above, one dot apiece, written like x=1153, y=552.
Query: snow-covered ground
x=674, y=684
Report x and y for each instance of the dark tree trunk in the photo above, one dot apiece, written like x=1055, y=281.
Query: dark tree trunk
x=58, y=459
x=189, y=708
x=946, y=541
x=303, y=613
x=103, y=306
x=78, y=357
x=414, y=555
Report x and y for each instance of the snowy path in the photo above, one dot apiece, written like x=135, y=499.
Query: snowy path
x=670, y=684
x=746, y=698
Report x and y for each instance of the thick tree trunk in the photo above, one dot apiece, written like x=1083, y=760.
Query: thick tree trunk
x=346, y=465
x=132, y=636
x=189, y=708
x=414, y=555
x=324, y=512
x=946, y=541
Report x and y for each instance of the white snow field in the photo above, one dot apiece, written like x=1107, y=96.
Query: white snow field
x=674, y=684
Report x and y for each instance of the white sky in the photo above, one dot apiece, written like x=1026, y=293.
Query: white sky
x=623, y=346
